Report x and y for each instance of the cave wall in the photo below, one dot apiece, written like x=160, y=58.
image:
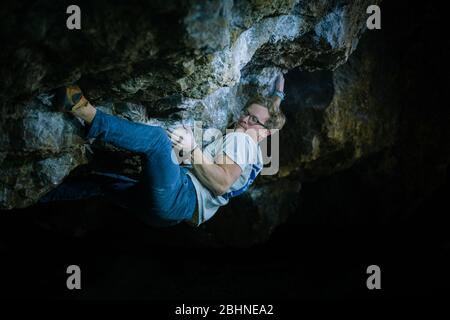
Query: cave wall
x=349, y=96
x=157, y=62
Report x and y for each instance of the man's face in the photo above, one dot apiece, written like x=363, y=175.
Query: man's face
x=253, y=120
x=254, y=117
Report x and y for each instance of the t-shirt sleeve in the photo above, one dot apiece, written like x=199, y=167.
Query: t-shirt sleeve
x=239, y=149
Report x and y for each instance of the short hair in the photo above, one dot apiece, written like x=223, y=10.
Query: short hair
x=276, y=117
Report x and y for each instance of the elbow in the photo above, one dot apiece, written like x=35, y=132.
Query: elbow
x=220, y=190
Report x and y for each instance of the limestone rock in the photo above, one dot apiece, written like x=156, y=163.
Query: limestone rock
x=171, y=61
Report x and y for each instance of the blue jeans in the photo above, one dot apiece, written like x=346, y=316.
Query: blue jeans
x=165, y=194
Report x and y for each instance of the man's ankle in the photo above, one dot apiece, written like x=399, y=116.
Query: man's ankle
x=87, y=112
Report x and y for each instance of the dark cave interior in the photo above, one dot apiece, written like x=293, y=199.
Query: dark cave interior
x=389, y=209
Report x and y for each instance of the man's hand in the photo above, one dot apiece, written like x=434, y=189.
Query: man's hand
x=216, y=177
x=182, y=138
x=279, y=84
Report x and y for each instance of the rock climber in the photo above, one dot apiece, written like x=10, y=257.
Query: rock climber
x=169, y=193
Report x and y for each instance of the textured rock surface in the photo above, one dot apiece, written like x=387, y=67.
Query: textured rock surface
x=175, y=61
x=178, y=60
x=339, y=117
x=382, y=199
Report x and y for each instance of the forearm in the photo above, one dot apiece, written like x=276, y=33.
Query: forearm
x=211, y=175
x=276, y=102
x=278, y=95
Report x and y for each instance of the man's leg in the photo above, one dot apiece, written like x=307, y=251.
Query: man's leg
x=71, y=191
x=88, y=187
x=163, y=189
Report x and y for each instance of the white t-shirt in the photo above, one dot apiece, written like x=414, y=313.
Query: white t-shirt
x=240, y=148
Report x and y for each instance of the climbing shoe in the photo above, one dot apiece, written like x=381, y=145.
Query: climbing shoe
x=70, y=98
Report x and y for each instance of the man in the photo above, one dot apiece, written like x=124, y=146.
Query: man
x=168, y=193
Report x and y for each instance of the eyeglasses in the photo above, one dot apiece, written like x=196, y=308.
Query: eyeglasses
x=252, y=119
